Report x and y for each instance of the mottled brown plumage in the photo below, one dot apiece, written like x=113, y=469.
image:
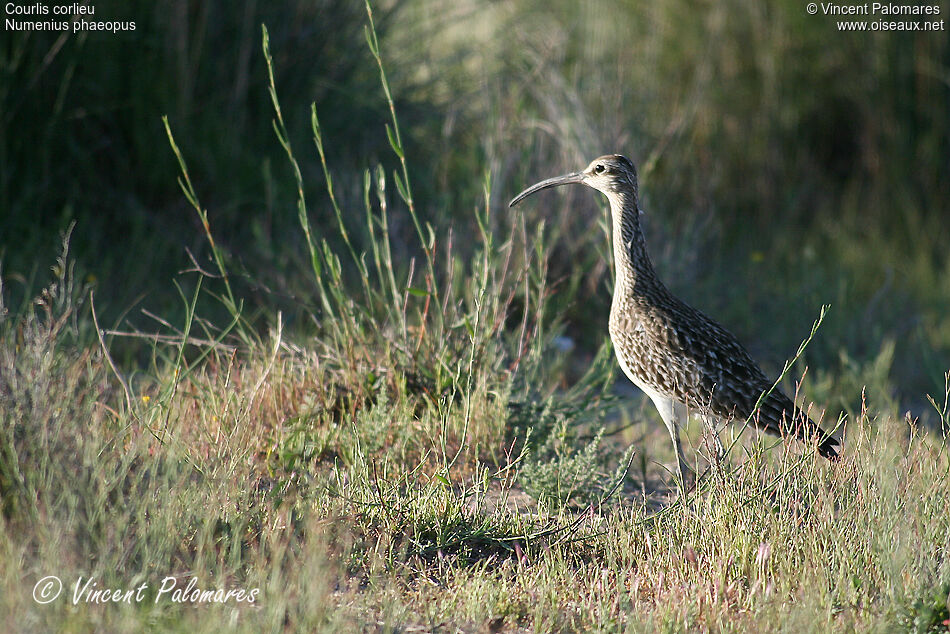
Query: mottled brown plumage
x=682, y=359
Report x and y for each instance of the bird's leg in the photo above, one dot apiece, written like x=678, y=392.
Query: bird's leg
x=717, y=453
x=682, y=467
x=673, y=414
x=720, y=450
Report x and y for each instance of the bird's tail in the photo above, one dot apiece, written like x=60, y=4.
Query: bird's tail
x=828, y=448
x=808, y=430
x=773, y=417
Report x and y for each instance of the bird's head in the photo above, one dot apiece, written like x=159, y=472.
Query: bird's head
x=610, y=174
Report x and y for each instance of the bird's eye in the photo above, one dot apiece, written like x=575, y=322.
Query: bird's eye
x=599, y=169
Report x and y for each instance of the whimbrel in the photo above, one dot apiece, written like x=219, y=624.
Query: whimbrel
x=683, y=360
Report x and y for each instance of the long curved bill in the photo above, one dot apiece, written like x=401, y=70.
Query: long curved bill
x=576, y=177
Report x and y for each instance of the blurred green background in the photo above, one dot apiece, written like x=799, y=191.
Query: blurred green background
x=784, y=164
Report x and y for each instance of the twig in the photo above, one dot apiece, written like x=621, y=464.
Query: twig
x=108, y=357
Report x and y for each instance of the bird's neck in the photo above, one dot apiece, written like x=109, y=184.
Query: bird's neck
x=634, y=270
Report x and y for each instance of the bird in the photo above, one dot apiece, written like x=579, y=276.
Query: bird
x=683, y=360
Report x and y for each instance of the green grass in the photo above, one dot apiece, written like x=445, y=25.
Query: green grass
x=409, y=449
x=359, y=503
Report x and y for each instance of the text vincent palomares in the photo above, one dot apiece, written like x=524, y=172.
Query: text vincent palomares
x=876, y=8
x=87, y=592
